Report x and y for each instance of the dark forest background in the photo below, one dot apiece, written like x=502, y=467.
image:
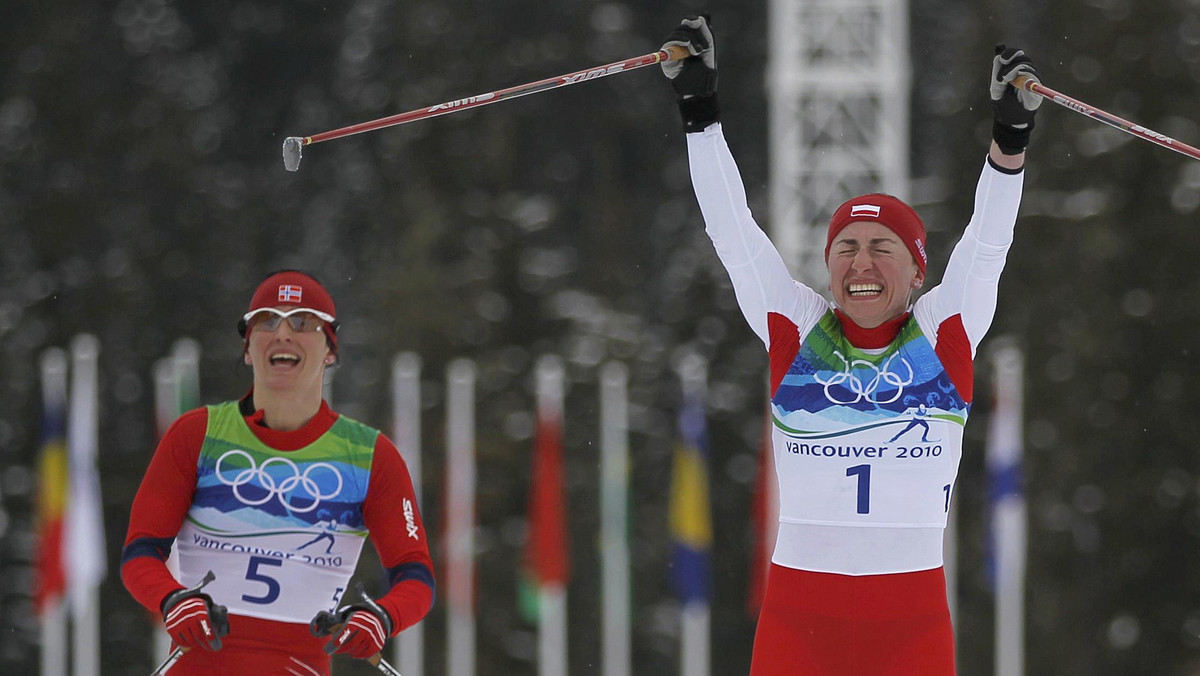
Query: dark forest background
x=142, y=196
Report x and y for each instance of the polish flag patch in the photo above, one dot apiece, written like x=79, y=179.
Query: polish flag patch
x=290, y=293
x=859, y=210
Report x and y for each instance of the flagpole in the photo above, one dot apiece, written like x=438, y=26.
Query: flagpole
x=409, y=648
x=53, y=618
x=695, y=617
x=85, y=523
x=1009, y=514
x=552, y=593
x=54, y=640
x=614, y=519
x=460, y=518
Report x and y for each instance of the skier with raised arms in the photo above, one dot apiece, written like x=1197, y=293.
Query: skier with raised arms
x=869, y=394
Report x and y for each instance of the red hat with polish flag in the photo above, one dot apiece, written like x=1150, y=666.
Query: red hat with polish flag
x=889, y=212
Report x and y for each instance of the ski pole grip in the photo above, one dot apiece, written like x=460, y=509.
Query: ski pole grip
x=324, y=623
x=677, y=53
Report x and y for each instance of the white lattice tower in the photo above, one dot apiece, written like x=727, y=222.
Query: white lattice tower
x=838, y=90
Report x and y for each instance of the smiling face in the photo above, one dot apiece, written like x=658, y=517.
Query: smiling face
x=287, y=360
x=871, y=273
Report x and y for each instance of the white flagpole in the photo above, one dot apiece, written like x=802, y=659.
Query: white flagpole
x=552, y=597
x=614, y=517
x=1008, y=511
x=409, y=648
x=54, y=640
x=185, y=354
x=54, y=620
x=460, y=518
x=696, y=616
x=85, y=513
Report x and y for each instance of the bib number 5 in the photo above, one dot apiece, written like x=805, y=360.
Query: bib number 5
x=254, y=574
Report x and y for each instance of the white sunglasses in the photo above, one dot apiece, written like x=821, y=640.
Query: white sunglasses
x=301, y=319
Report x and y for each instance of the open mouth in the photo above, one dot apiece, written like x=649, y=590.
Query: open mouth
x=284, y=359
x=864, y=290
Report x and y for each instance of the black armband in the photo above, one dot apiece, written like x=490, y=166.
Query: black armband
x=1012, y=141
x=699, y=111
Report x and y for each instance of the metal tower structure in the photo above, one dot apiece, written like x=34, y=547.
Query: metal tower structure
x=838, y=94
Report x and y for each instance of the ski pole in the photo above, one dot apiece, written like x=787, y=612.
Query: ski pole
x=168, y=663
x=326, y=623
x=1107, y=118
x=292, y=145
x=219, y=618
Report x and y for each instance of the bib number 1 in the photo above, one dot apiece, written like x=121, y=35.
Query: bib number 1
x=863, y=472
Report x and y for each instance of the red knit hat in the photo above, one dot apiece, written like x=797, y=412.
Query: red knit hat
x=888, y=212
x=297, y=289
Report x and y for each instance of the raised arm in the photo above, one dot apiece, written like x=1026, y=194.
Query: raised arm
x=971, y=281
x=761, y=280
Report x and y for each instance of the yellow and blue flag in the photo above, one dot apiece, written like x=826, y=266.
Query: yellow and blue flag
x=689, y=513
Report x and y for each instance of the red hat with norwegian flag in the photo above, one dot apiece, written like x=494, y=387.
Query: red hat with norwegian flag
x=298, y=290
x=888, y=212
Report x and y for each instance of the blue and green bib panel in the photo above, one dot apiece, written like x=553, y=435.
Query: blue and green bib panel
x=281, y=530
x=874, y=436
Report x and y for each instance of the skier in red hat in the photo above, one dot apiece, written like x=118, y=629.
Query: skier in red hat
x=243, y=487
x=869, y=392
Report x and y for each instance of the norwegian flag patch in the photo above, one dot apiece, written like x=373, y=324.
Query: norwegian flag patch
x=290, y=293
x=865, y=210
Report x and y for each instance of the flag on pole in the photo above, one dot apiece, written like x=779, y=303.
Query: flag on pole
x=50, y=576
x=409, y=648
x=84, y=534
x=85, y=514
x=689, y=514
x=545, y=561
x=690, y=521
x=1008, y=521
x=545, y=565
x=460, y=518
x=764, y=517
x=614, y=520
x=185, y=357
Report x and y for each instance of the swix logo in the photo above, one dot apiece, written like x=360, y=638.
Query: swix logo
x=410, y=519
x=1077, y=107
x=594, y=73
x=463, y=102
x=1153, y=134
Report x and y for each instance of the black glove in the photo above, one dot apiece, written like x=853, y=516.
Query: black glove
x=694, y=78
x=1013, y=108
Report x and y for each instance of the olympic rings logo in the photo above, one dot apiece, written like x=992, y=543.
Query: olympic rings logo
x=284, y=490
x=849, y=379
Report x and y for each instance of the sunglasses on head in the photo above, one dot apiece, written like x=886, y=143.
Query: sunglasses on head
x=301, y=320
